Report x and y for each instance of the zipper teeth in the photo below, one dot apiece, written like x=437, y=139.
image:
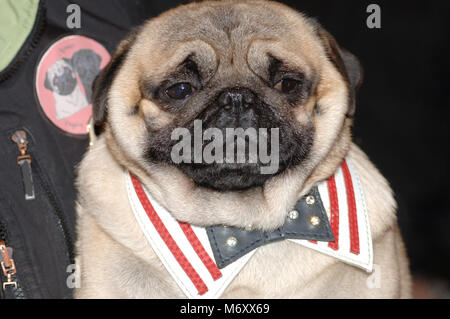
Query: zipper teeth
x=37, y=32
x=3, y=232
x=59, y=213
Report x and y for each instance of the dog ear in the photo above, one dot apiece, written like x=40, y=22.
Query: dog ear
x=345, y=62
x=103, y=81
x=98, y=60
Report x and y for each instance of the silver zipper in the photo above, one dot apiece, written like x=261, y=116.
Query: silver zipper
x=24, y=161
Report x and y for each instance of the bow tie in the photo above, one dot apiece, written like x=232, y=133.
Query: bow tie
x=187, y=251
x=307, y=220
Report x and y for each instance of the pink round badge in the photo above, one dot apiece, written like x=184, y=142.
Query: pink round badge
x=64, y=79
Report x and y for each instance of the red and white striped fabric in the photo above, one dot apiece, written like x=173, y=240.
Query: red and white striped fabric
x=183, y=249
x=343, y=198
x=186, y=253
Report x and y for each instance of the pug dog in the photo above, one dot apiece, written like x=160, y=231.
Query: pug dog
x=60, y=78
x=231, y=64
x=87, y=65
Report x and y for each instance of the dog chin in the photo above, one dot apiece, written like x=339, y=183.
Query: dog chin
x=227, y=177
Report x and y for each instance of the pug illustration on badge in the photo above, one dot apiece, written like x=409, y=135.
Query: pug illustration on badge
x=64, y=79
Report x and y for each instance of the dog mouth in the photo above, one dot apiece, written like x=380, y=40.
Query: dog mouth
x=233, y=148
x=238, y=158
x=226, y=177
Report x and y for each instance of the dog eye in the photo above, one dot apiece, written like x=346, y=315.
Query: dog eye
x=180, y=91
x=287, y=85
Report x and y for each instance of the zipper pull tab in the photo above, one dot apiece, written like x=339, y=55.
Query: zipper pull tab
x=24, y=162
x=8, y=266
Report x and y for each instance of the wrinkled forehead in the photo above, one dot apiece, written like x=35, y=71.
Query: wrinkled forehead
x=59, y=67
x=243, y=34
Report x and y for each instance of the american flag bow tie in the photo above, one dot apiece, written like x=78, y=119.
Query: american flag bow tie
x=331, y=218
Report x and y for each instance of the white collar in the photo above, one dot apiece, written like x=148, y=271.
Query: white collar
x=190, y=260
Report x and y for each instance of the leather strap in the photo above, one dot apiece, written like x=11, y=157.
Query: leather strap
x=298, y=225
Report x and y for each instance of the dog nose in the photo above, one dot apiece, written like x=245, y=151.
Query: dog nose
x=236, y=98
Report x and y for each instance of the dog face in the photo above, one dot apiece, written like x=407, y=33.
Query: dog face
x=60, y=78
x=252, y=64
